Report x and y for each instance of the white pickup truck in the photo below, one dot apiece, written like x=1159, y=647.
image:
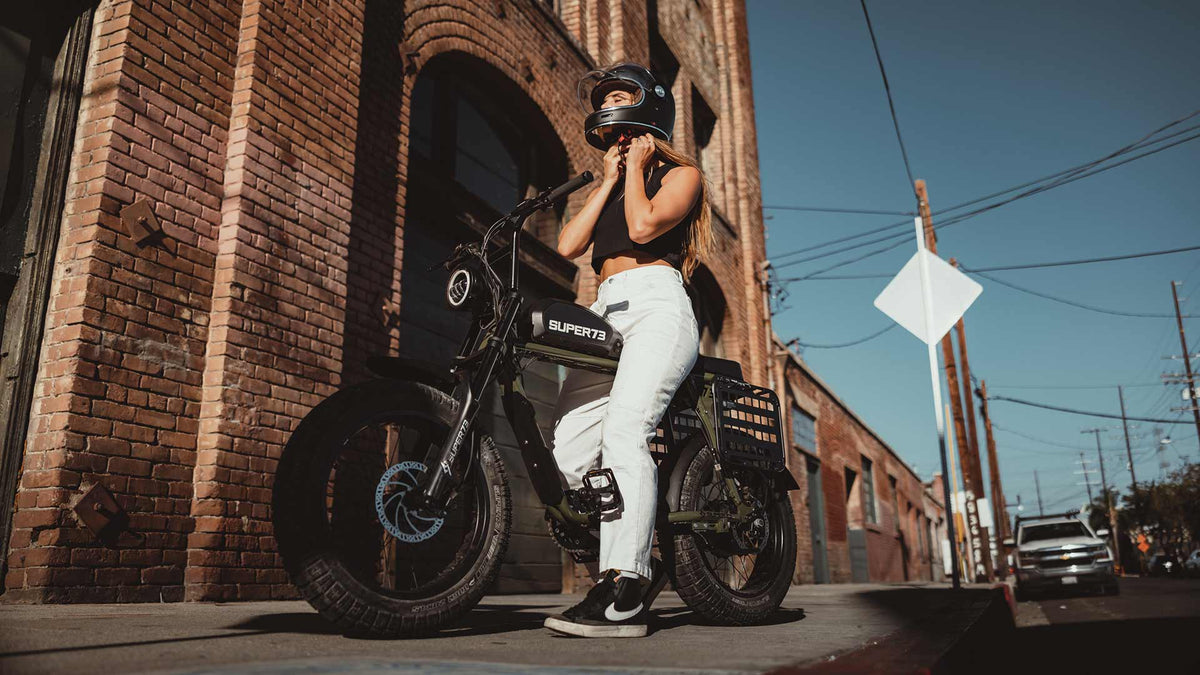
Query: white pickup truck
x=1061, y=552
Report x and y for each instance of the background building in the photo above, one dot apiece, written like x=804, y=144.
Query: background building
x=298, y=166
x=862, y=514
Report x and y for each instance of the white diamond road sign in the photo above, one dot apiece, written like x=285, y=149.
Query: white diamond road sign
x=952, y=291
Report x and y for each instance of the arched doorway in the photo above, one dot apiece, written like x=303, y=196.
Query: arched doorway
x=477, y=145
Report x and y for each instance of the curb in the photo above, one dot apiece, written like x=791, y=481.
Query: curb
x=957, y=636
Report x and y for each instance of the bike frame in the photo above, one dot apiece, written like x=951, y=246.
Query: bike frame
x=489, y=356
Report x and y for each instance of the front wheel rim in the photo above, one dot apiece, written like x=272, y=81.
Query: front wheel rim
x=434, y=555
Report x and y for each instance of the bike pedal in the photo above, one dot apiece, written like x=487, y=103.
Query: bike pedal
x=584, y=557
x=602, y=488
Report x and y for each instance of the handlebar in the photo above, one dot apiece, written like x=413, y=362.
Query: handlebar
x=549, y=197
x=526, y=208
x=568, y=187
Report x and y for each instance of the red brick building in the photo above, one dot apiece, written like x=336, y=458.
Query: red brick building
x=861, y=514
x=216, y=211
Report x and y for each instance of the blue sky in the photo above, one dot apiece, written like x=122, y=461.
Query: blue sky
x=990, y=95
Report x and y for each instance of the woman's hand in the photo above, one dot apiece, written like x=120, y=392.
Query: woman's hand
x=613, y=164
x=639, y=155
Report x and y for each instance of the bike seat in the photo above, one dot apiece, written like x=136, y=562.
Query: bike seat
x=710, y=364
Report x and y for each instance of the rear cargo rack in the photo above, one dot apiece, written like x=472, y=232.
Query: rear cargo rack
x=748, y=425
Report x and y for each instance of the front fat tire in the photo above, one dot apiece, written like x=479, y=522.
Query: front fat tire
x=314, y=564
x=696, y=584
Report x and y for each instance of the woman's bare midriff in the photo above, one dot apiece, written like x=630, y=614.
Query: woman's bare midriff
x=627, y=260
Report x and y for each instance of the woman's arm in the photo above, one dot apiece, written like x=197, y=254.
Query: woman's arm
x=648, y=218
x=575, y=236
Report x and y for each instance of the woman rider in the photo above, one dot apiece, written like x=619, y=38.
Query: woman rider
x=648, y=223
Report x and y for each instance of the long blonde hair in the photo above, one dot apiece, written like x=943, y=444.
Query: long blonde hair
x=700, y=240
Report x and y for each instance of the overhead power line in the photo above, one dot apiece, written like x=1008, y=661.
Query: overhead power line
x=891, y=105
x=1047, y=406
x=1056, y=179
x=1004, y=268
x=852, y=343
x=1144, y=141
x=903, y=237
x=1035, y=439
x=1072, y=303
x=823, y=209
x=1073, y=386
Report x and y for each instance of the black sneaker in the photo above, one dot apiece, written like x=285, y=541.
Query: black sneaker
x=613, y=608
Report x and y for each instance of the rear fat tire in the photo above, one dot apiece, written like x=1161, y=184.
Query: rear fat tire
x=302, y=529
x=696, y=584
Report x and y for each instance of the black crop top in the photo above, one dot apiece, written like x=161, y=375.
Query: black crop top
x=611, y=233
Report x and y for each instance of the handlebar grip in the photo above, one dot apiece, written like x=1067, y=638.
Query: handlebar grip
x=568, y=187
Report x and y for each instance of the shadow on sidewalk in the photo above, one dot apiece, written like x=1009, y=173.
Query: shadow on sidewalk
x=482, y=620
x=667, y=619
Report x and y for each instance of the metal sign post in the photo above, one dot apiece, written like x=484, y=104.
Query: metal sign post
x=910, y=300
x=927, y=298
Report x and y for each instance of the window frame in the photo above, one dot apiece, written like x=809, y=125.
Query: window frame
x=867, y=476
x=795, y=408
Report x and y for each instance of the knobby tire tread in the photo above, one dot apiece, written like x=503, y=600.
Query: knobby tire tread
x=319, y=575
x=696, y=585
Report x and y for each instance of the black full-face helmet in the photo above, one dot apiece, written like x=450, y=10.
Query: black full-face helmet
x=653, y=109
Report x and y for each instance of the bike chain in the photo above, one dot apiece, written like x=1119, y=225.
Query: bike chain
x=581, y=545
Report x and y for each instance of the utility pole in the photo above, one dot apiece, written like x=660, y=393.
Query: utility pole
x=1037, y=484
x=1112, y=513
x=959, y=532
x=973, y=437
x=972, y=478
x=1087, y=479
x=1160, y=449
x=1125, y=424
x=999, y=505
x=1187, y=362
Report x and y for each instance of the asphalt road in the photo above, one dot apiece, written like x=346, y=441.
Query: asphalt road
x=1152, y=626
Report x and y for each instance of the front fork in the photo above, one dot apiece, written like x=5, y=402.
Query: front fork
x=474, y=372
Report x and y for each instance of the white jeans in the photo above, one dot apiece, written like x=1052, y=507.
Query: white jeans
x=608, y=420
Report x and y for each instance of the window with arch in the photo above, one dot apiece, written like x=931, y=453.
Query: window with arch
x=472, y=132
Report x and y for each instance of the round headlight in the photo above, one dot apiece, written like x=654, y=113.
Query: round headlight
x=460, y=288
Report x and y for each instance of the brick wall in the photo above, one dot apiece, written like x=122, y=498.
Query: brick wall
x=270, y=138
x=119, y=387
x=895, y=548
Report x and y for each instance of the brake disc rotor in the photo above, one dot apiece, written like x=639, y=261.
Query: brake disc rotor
x=408, y=526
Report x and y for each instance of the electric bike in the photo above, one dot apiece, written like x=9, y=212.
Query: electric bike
x=392, y=510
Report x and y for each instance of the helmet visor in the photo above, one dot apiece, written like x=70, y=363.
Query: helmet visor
x=597, y=84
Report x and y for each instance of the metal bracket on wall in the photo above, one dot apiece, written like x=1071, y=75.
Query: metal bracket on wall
x=411, y=61
x=140, y=223
x=99, y=512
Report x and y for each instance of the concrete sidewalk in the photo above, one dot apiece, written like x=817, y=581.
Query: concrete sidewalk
x=817, y=626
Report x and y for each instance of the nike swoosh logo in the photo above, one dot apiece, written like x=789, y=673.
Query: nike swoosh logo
x=613, y=614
